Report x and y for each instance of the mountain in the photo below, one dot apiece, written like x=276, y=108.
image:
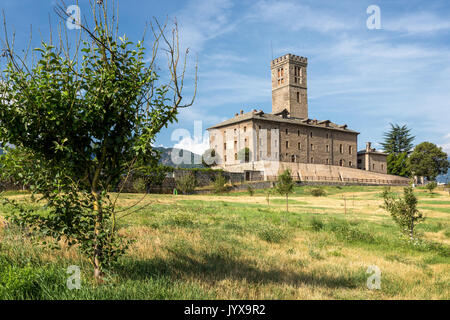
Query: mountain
x=444, y=178
x=193, y=160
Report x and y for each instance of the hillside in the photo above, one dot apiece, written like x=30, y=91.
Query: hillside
x=166, y=158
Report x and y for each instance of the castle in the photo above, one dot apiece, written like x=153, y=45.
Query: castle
x=287, y=137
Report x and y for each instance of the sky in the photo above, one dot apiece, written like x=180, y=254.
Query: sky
x=364, y=77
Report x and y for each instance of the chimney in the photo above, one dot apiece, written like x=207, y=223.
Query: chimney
x=368, y=146
x=242, y=111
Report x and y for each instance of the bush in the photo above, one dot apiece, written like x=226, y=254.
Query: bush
x=272, y=235
x=318, y=192
x=187, y=183
x=250, y=190
x=219, y=184
x=431, y=186
x=317, y=224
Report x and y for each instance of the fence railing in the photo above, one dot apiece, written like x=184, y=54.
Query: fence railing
x=354, y=180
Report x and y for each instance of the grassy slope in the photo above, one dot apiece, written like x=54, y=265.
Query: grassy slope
x=237, y=247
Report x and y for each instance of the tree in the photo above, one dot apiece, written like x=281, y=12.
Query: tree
x=431, y=186
x=398, y=164
x=403, y=211
x=219, y=183
x=82, y=120
x=428, y=160
x=398, y=140
x=187, y=183
x=285, y=185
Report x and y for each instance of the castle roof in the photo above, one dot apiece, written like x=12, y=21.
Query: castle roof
x=372, y=151
x=283, y=118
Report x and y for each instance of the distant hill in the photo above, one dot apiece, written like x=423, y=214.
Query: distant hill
x=445, y=178
x=166, y=158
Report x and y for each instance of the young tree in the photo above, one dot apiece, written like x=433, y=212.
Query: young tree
x=219, y=183
x=431, y=186
x=81, y=121
x=428, y=160
x=285, y=186
x=398, y=140
x=187, y=183
x=403, y=211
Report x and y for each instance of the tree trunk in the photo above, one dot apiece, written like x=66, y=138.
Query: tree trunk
x=97, y=246
x=287, y=203
x=411, y=231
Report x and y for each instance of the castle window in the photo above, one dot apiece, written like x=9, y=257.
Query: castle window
x=287, y=131
x=225, y=158
x=287, y=156
x=224, y=146
x=259, y=127
x=299, y=146
x=310, y=134
x=328, y=161
x=373, y=166
x=287, y=144
x=359, y=161
x=341, y=148
x=312, y=160
x=328, y=135
x=280, y=76
x=293, y=158
x=312, y=147
x=350, y=149
x=382, y=167
x=350, y=164
x=341, y=163
x=235, y=144
x=298, y=97
x=298, y=133
x=245, y=129
x=328, y=148
x=235, y=156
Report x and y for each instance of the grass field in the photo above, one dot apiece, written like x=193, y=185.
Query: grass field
x=236, y=246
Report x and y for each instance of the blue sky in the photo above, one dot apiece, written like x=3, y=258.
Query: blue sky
x=364, y=78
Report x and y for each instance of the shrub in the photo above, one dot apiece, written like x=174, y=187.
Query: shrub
x=219, y=184
x=431, y=186
x=187, y=183
x=250, y=190
x=318, y=192
x=317, y=224
x=272, y=235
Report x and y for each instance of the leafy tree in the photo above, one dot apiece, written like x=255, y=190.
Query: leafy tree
x=403, y=211
x=285, y=185
x=187, y=183
x=428, y=160
x=398, y=164
x=398, y=140
x=431, y=186
x=219, y=183
x=82, y=119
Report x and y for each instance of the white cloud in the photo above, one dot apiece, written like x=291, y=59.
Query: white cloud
x=202, y=20
x=296, y=16
x=419, y=22
x=196, y=145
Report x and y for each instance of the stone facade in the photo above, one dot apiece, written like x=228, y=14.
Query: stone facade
x=372, y=160
x=287, y=134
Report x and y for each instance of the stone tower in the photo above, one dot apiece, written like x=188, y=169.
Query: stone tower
x=289, y=83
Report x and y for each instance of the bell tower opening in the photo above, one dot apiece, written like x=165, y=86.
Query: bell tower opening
x=289, y=85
